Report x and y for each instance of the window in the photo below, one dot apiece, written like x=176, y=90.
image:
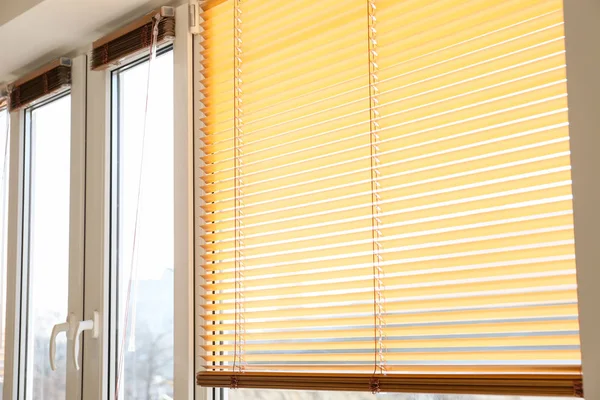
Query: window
x=46, y=238
x=142, y=218
x=386, y=188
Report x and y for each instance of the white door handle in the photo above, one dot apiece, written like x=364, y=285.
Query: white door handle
x=87, y=325
x=73, y=328
x=58, y=328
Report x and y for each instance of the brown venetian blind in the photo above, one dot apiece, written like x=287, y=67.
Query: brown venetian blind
x=387, y=198
x=133, y=38
x=41, y=84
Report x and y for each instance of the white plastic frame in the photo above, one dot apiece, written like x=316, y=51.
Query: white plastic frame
x=14, y=288
x=184, y=317
x=97, y=209
x=14, y=371
x=96, y=381
x=77, y=210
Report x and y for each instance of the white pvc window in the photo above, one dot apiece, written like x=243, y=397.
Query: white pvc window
x=45, y=267
x=142, y=218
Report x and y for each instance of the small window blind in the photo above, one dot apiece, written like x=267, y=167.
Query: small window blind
x=41, y=84
x=130, y=40
x=386, y=197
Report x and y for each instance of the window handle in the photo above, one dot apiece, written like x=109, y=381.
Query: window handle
x=87, y=325
x=56, y=329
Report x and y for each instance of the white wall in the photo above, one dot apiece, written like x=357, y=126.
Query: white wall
x=37, y=31
x=9, y=9
x=582, y=24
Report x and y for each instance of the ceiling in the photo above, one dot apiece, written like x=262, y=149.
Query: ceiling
x=34, y=32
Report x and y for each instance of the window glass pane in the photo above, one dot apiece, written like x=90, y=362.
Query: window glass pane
x=259, y=394
x=4, y=143
x=46, y=260
x=143, y=255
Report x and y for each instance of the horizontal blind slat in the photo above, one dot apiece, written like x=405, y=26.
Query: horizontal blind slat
x=426, y=323
x=539, y=159
x=492, y=300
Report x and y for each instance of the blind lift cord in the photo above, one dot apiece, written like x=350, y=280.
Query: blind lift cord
x=133, y=270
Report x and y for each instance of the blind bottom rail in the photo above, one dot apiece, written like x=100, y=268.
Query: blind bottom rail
x=552, y=384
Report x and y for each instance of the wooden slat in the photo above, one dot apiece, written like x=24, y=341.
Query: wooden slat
x=501, y=382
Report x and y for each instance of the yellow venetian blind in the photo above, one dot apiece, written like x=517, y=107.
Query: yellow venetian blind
x=387, y=197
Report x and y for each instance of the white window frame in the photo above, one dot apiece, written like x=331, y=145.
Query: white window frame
x=90, y=227
x=15, y=342
x=14, y=244
x=184, y=58
x=77, y=211
x=96, y=379
x=97, y=244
